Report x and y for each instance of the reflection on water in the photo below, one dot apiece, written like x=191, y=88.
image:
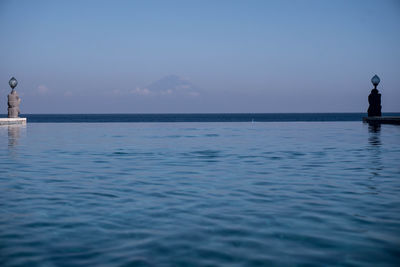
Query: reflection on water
x=375, y=148
x=14, y=132
x=374, y=127
x=375, y=131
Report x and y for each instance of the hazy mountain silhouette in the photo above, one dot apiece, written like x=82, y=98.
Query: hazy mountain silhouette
x=173, y=84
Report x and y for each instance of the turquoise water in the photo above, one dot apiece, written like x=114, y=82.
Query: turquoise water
x=244, y=194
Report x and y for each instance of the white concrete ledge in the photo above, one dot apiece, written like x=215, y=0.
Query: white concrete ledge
x=9, y=121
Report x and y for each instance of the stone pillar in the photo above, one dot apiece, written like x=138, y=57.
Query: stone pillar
x=13, y=100
x=374, y=99
x=13, y=104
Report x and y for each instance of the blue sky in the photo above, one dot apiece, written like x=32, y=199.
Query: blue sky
x=199, y=56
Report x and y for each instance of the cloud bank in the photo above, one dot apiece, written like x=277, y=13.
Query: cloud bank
x=169, y=85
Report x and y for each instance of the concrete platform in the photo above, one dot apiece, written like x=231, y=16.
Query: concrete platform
x=382, y=120
x=10, y=121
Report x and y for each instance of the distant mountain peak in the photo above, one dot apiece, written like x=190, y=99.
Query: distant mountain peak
x=173, y=84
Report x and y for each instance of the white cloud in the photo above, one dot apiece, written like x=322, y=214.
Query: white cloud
x=42, y=89
x=141, y=91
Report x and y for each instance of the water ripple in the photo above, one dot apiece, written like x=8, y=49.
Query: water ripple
x=200, y=194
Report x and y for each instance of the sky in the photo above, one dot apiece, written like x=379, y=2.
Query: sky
x=96, y=56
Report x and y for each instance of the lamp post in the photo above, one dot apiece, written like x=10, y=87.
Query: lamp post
x=375, y=81
x=13, y=106
x=374, y=99
x=375, y=108
x=13, y=83
x=13, y=100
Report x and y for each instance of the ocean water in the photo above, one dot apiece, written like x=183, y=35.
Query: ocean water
x=207, y=117
x=200, y=193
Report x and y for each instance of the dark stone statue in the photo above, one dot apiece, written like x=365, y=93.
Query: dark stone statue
x=13, y=100
x=374, y=99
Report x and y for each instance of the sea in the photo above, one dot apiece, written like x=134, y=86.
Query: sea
x=199, y=190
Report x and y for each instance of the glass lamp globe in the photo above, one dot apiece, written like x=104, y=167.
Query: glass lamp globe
x=375, y=80
x=13, y=83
